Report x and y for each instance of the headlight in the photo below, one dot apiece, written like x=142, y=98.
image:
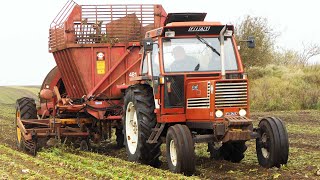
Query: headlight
x=219, y=113
x=242, y=112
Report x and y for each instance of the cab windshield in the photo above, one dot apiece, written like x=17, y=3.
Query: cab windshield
x=192, y=54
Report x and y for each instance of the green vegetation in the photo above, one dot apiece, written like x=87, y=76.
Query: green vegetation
x=72, y=164
x=280, y=79
x=264, y=36
x=284, y=88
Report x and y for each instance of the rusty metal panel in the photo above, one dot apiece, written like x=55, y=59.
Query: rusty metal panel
x=237, y=136
x=70, y=73
x=238, y=120
x=83, y=59
x=120, y=62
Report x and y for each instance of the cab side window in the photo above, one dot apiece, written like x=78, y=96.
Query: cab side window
x=155, y=60
x=145, y=65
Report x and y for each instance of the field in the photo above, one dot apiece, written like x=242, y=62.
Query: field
x=108, y=162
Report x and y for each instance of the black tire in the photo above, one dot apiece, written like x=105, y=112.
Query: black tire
x=229, y=151
x=139, y=99
x=180, y=150
x=84, y=145
x=272, y=146
x=119, y=137
x=284, y=141
x=25, y=109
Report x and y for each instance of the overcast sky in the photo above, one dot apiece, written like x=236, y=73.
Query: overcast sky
x=25, y=59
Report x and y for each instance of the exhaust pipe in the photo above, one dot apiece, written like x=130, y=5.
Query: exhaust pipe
x=223, y=71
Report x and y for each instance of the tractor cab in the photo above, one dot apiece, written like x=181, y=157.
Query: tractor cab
x=190, y=60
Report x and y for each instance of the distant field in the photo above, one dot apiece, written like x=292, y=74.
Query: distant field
x=9, y=95
x=108, y=162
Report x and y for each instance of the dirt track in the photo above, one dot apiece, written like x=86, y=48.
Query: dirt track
x=304, y=158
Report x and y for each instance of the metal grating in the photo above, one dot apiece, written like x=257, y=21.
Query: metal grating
x=200, y=102
x=174, y=91
x=91, y=24
x=113, y=23
x=231, y=94
x=57, y=26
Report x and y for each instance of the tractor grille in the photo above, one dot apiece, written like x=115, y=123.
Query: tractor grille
x=200, y=102
x=231, y=94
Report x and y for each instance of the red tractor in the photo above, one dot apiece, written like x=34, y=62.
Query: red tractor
x=154, y=77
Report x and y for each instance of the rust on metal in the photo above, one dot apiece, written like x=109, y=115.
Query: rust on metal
x=237, y=135
x=238, y=120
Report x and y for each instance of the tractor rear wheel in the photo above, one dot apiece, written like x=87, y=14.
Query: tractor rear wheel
x=25, y=109
x=138, y=120
x=230, y=151
x=272, y=146
x=180, y=150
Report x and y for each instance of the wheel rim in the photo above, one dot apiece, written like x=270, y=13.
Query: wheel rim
x=18, y=130
x=131, y=128
x=173, y=153
x=264, y=150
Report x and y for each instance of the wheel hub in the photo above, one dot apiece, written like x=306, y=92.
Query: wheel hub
x=173, y=153
x=18, y=130
x=264, y=149
x=131, y=128
x=18, y=135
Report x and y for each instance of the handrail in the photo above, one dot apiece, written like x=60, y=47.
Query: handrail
x=63, y=14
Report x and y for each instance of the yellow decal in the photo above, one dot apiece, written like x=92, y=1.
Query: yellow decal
x=101, y=67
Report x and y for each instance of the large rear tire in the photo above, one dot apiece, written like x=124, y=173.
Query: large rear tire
x=230, y=151
x=272, y=146
x=25, y=109
x=180, y=150
x=138, y=120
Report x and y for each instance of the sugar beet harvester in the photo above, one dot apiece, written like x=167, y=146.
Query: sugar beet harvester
x=118, y=66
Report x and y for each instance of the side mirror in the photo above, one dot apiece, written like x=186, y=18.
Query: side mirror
x=147, y=44
x=251, y=42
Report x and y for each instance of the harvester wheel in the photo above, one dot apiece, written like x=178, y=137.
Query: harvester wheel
x=25, y=109
x=180, y=150
x=138, y=120
x=84, y=145
x=272, y=146
x=119, y=137
x=230, y=151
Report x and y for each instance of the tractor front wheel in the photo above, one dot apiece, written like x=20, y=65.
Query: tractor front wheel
x=180, y=150
x=272, y=146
